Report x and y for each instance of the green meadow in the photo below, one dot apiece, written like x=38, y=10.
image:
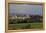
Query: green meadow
x=25, y=26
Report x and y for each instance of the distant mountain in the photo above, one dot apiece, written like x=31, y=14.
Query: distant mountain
x=13, y=14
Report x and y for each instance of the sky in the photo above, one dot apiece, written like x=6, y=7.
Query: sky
x=25, y=9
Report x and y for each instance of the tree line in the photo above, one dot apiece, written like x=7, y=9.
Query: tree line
x=32, y=19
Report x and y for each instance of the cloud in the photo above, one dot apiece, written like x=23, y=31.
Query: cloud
x=25, y=9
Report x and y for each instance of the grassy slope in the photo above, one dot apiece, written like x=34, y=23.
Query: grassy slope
x=25, y=26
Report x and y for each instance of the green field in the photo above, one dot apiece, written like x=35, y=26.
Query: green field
x=25, y=26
